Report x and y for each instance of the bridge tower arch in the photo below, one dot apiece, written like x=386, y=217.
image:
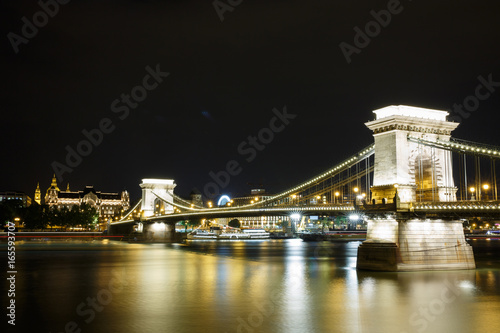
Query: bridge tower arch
x=151, y=204
x=421, y=173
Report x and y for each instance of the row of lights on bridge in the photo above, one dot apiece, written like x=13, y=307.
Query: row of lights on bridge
x=337, y=194
x=328, y=173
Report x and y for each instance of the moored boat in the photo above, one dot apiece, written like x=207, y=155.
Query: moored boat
x=232, y=234
x=202, y=234
x=256, y=233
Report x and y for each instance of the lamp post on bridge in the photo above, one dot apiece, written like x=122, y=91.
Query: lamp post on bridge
x=472, y=197
x=486, y=187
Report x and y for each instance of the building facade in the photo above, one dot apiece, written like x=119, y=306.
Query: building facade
x=110, y=206
x=26, y=200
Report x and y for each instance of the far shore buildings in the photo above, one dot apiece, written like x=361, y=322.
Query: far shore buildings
x=12, y=195
x=110, y=206
x=267, y=222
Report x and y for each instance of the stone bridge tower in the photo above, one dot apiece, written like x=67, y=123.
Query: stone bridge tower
x=420, y=173
x=397, y=241
x=151, y=204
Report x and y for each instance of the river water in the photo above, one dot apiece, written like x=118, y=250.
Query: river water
x=243, y=286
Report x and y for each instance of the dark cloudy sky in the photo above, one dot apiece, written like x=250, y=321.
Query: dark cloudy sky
x=225, y=79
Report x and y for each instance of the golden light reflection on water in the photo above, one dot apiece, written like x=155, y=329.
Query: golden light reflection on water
x=287, y=286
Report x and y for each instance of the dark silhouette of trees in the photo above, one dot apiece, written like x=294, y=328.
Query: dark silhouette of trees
x=234, y=223
x=38, y=216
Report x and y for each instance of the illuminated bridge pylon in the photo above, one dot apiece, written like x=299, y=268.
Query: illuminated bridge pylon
x=419, y=172
x=406, y=172
x=151, y=205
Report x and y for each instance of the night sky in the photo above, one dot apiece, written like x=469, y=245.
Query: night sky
x=225, y=78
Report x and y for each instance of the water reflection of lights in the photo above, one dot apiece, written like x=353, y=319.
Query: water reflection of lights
x=351, y=263
x=368, y=286
x=466, y=285
x=297, y=294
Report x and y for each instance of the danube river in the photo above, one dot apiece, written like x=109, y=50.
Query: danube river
x=243, y=286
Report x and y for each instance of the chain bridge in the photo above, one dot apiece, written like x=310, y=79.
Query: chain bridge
x=414, y=186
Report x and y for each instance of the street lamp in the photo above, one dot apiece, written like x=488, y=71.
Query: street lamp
x=486, y=187
x=353, y=218
x=472, y=190
x=337, y=196
x=294, y=219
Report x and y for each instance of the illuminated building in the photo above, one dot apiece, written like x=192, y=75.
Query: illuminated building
x=108, y=205
x=11, y=195
x=196, y=198
x=38, y=194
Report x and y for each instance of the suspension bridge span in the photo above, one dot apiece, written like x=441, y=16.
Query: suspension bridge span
x=414, y=186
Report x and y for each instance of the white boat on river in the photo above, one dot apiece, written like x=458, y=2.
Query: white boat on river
x=256, y=233
x=243, y=234
x=202, y=234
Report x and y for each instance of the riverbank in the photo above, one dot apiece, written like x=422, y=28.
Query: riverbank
x=56, y=235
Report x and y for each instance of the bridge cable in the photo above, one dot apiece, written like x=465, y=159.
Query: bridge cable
x=494, y=177
x=130, y=211
x=345, y=165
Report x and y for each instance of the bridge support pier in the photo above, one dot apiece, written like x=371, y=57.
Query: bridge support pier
x=415, y=245
x=161, y=232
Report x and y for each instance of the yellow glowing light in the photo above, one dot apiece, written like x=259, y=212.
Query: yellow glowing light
x=356, y=190
x=486, y=186
x=337, y=194
x=256, y=198
x=472, y=189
